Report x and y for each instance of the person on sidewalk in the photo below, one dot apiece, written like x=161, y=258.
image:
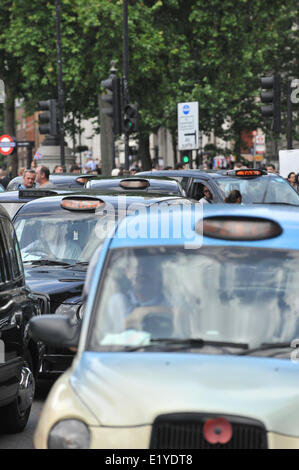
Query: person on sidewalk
x=42, y=177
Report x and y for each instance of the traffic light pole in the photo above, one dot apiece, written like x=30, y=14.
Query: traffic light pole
x=126, y=73
x=289, y=115
x=60, y=83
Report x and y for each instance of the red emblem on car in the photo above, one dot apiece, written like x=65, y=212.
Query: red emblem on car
x=217, y=430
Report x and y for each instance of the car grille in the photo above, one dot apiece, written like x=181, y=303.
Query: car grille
x=186, y=431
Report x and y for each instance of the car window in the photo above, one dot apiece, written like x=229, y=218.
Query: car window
x=197, y=189
x=12, y=207
x=3, y=261
x=259, y=190
x=12, y=249
x=250, y=298
x=67, y=238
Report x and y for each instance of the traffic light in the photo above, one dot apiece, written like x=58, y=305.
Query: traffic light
x=186, y=156
x=272, y=98
x=131, y=118
x=112, y=96
x=48, y=120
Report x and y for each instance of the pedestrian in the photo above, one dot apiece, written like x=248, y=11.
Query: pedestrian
x=58, y=169
x=234, y=197
x=208, y=196
x=28, y=180
x=292, y=181
x=4, y=178
x=75, y=169
x=33, y=164
x=180, y=166
x=42, y=177
x=271, y=168
x=90, y=165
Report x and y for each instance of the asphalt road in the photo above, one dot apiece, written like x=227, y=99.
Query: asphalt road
x=24, y=440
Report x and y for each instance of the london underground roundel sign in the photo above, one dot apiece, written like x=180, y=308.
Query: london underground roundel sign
x=7, y=144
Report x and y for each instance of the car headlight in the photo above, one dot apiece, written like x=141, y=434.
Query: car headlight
x=69, y=434
x=67, y=309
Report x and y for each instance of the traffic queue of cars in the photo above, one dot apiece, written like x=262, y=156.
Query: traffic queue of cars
x=163, y=299
x=58, y=236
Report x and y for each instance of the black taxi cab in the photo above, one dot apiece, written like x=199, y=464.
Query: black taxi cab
x=12, y=201
x=256, y=186
x=58, y=236
x=19, y=354
x=147, y=185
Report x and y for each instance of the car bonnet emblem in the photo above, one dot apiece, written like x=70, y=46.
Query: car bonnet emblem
x=217, y=431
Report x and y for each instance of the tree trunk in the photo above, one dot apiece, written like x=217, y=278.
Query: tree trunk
x=10, y=128
x=144, y=152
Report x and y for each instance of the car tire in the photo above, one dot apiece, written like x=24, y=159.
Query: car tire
x=12, y=418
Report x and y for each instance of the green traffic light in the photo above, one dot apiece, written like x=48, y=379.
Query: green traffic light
x=186, y=159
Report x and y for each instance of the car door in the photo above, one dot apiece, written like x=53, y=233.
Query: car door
x=13, y=306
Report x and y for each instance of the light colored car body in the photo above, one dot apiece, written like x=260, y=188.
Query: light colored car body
x=119, y=395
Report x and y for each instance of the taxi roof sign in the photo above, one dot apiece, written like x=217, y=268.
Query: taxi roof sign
x=239, y=228
x=81, y=204
x=134, y=183
x=246, y=172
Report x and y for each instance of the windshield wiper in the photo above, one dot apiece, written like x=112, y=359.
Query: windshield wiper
x=267, y=347
x=44, y=262
x=187, y=343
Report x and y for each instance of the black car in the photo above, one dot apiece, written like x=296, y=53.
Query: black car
x=19, y=354
x=12, y=201
x=58, y=236
x=256, y=186
x=147, y=185
x=61, y=180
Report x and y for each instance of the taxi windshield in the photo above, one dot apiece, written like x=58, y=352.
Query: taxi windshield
x=262, y=189
x=222, y=294
x=63, y=237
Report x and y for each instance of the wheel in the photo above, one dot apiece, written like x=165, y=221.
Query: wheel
x=14, y=417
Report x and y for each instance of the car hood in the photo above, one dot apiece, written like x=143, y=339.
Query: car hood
x=131, y=389
x=56, y=281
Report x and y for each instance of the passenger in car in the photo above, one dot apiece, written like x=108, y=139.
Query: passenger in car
x=234, y=197
x=208, y=196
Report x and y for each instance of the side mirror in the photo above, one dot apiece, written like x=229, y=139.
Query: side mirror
x=56, y=330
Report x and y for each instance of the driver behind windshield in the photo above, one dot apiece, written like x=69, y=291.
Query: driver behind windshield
x=55, y=243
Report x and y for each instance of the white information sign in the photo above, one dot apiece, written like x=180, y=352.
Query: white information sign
x=288, y=161
x=188, y=126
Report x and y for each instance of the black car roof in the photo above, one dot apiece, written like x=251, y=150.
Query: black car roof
x=52, y=203
x=25, y=195
x=155, y=184
x=194, y=173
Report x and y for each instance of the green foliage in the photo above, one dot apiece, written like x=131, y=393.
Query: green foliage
x=179, y=50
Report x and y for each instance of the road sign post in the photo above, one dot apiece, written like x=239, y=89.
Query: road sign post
x=188, y=126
